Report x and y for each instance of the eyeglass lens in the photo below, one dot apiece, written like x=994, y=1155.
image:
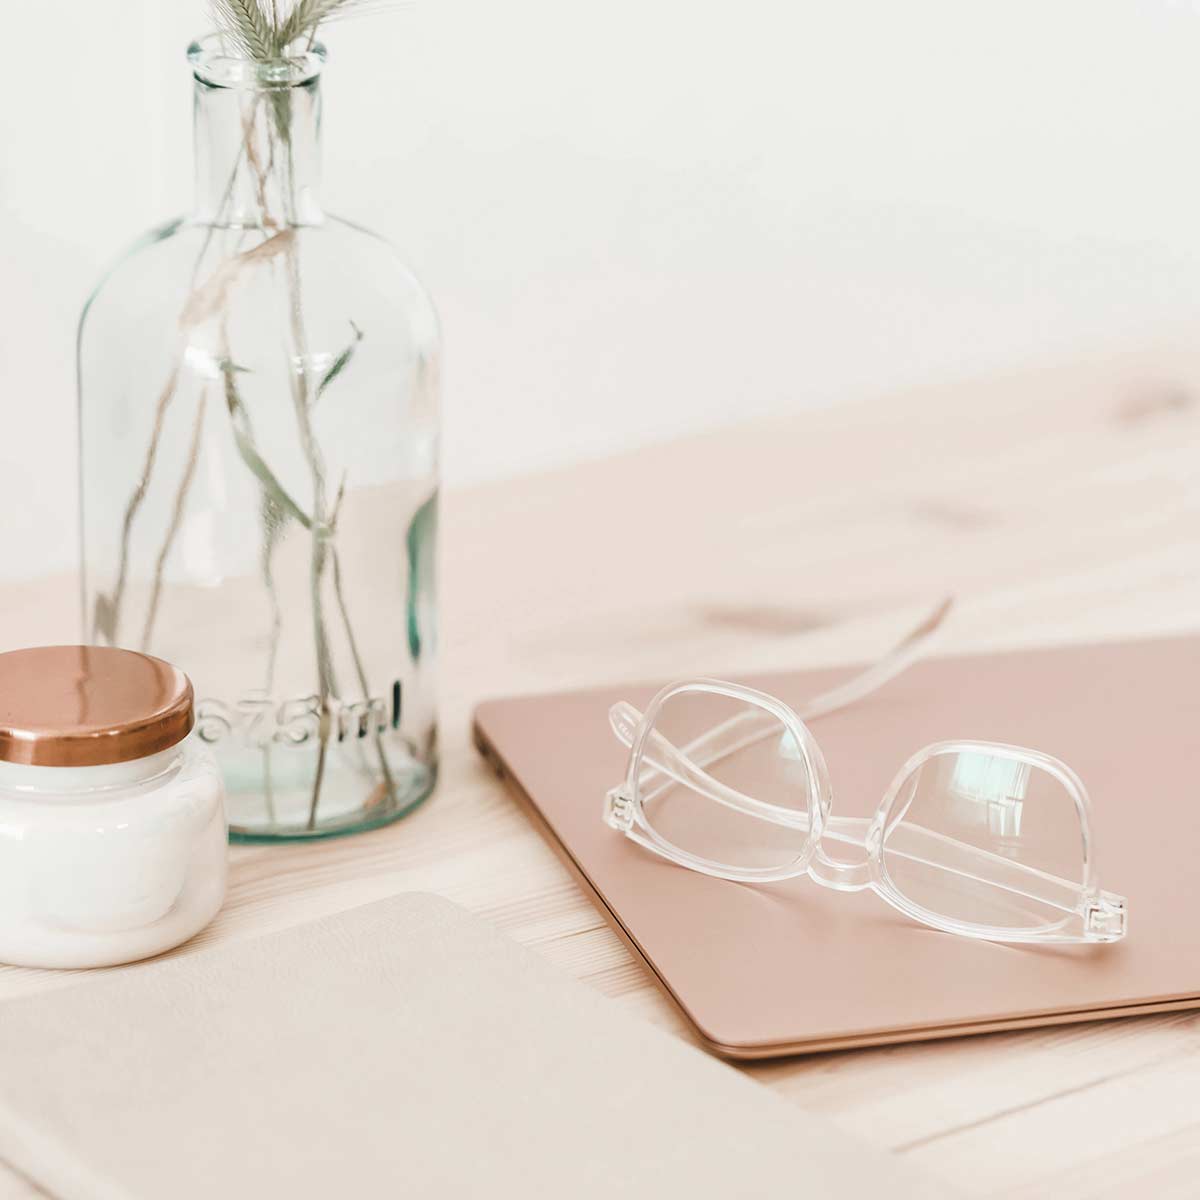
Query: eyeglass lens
x=986, y=839
x=750, y=807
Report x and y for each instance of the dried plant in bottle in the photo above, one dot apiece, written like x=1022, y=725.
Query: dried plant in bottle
x=250, y=244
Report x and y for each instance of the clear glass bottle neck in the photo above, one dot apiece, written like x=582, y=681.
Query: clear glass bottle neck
x=258, y=155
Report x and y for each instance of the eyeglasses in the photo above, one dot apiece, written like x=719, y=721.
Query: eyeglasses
x=975, y=838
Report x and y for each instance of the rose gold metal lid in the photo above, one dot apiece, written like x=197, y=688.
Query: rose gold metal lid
x=84, y=706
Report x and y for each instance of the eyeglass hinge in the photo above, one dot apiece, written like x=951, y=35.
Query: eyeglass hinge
x=618, y=809
x=1104, y=918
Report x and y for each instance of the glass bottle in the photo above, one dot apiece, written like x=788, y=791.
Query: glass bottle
x=259, y=431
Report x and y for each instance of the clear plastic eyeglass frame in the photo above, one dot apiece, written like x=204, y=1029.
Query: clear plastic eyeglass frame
x=1072, y=910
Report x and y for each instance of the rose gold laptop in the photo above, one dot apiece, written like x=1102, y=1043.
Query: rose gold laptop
x=761, y=970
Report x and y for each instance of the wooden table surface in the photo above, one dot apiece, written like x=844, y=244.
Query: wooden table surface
x=1059, y=504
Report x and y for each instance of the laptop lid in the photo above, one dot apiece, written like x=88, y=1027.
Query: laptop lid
x=790, y=967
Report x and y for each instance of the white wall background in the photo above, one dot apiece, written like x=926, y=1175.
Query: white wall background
x=640, y=217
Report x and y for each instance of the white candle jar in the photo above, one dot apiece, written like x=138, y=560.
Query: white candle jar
x=113, y=837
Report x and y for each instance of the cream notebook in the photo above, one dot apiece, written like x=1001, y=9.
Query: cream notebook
x=400, y=1049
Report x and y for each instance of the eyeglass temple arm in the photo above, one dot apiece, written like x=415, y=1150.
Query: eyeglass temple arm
x=895, y=662
x=753, y=725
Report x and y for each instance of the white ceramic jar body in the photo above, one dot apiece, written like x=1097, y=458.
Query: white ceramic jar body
x=107, y=864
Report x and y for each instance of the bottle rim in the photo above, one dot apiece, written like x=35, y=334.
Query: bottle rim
x=218, y=64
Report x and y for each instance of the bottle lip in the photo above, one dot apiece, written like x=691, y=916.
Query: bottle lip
x=217, y=63
x=86, y=706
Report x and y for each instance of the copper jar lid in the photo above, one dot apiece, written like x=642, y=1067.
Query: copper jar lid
x=85, y=706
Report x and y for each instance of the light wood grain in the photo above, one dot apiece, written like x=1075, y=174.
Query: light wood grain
x=1062, y=504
